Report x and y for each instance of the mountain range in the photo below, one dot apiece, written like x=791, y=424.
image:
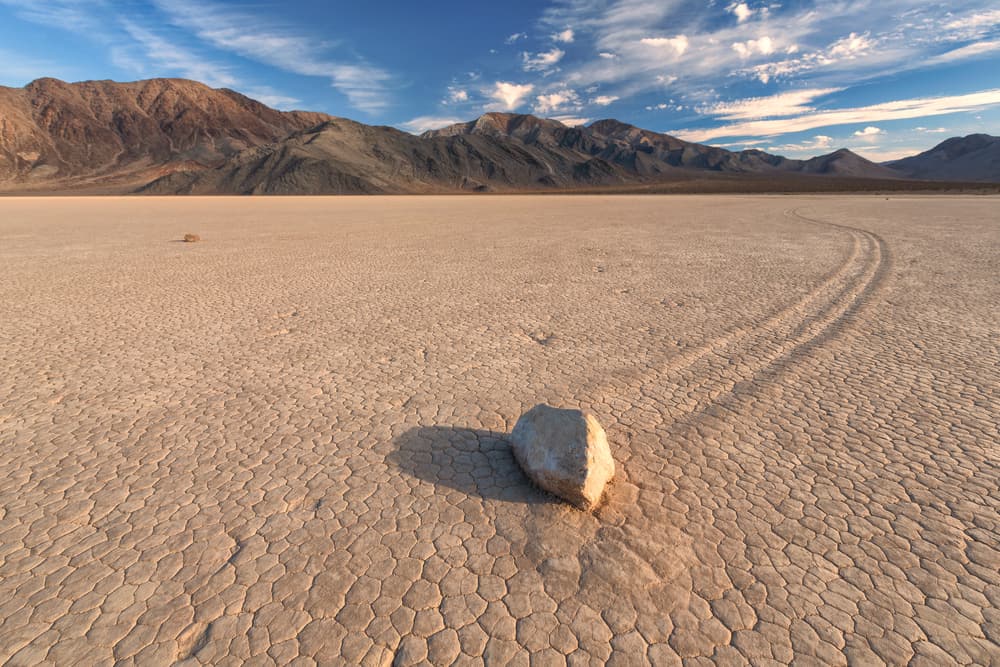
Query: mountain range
x=172, y=136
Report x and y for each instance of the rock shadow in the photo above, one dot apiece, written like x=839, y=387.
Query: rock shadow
x=475, y=462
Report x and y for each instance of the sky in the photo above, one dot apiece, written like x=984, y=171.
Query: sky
x=794, y=77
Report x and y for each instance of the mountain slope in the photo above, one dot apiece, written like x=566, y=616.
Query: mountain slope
x=497, y=152
x=56, y=131
x=845, y=163
x=972, y=158
x=176, y=136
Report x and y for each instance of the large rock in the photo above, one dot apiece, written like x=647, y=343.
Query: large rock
x=564, y=452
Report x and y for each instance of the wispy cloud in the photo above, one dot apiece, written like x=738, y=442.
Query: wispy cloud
x=896, y=110
x=818, y=143
x=170, y=57
x=604, y=100
x=559, y=100
x=422, y=124
x=966, y=52
x=268, y=96
x=783, y=104
x=571, y=121
x=974, y=23
x=365, y=86
x=637, y=44
x=70, y=15
x=457, y=95
x=541, y=62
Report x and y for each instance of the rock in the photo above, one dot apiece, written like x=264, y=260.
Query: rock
x=191, y=238
x=565, y=452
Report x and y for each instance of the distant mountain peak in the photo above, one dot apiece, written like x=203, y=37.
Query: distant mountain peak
x=975, y=157
x=611, y=126
x=497, y=122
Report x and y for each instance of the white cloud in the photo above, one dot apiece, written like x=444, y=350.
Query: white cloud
x=969, y=51
x=272, y=99
x=931, y=130
x=422, y=124
x=835, y=43
x=546, y=104
x=542, y=61
x=872, y=153
x=566, y=36
x=986, y=19
x=819, y=142
x=171, y=58
x=763, y=46
x=69, y=15
x=604, y=100
x=740, y=10
x=678, y=44
x=571, y=121
x=852, y=46
x=783, y=104
x=365, y=86
x=844, y=50
x=517, y=36
x=457, y=95
x=896, y=110
x=510, y=95
x=607, y=56
x=869, y=132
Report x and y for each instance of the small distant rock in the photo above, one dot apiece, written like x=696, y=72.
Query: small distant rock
x=191, y=238
x=565, y=452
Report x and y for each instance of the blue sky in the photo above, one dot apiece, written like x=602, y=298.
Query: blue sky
x=796, y=77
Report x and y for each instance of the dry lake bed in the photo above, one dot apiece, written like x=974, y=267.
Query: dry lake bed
x=285, y=443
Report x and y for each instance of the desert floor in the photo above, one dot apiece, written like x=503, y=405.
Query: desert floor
x=285, y=443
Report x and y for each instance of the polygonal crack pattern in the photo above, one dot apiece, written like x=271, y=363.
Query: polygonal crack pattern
x=286, y=444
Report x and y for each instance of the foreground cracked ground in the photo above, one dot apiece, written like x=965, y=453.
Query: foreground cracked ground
x=285, y=444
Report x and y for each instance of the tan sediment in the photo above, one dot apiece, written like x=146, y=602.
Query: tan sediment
x=289, y=441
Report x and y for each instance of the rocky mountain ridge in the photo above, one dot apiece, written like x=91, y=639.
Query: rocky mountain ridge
x=52, y=131
x=975, y=157
x=173, y=136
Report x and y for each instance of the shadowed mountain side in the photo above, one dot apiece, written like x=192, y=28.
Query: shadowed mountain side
x=53, y=131
x=345, y=157
x=844, y=163
x=477, y=463
x=498, y=152
x=972, y=158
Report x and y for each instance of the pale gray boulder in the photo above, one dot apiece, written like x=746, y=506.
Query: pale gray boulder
x=565, y=452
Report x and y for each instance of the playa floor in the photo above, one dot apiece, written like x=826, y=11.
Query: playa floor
x=285, y=443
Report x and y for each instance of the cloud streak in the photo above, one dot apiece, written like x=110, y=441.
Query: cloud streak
x=422, y=124
x=365, y=86
x=169, y=56
x=783, y=104
x=888, y=111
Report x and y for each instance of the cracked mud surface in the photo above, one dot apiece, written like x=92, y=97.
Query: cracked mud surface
x=285, y=444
